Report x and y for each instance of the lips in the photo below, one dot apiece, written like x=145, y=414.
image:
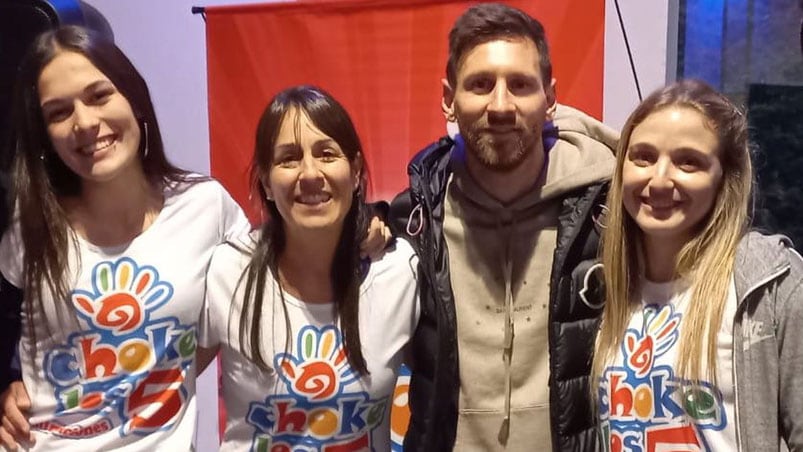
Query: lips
x=97, y=145
x=313, y=199
x=660, y=203
x=501, y=130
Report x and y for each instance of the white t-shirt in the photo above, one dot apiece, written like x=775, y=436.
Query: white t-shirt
x=641, y=405
x=314, y=401
x=118, y=372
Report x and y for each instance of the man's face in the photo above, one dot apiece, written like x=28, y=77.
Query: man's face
x=500, y=101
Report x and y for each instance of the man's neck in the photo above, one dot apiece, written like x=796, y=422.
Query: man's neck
x=507, y=186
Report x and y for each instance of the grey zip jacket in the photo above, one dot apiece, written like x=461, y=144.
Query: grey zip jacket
x=768, y=344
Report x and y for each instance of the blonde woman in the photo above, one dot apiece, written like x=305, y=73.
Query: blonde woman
x=700, y=346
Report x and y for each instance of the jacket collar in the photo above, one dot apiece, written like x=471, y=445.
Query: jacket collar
x=430, y=169
x=759, y=259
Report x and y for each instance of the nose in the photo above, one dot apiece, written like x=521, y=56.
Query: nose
x=662, y=177
x=501, y=100
x=84, y=118
x=309, y=170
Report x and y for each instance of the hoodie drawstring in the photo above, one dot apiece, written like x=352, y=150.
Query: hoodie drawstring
x=507, y=353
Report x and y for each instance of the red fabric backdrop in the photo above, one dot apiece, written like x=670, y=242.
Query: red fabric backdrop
x=382, y=59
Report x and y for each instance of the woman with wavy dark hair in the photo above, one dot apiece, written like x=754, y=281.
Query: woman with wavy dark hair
x=699, y=347
x=107, y=253
x=311, y=335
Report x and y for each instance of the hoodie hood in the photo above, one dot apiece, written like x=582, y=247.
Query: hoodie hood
x=583, y=153
x=579, y=152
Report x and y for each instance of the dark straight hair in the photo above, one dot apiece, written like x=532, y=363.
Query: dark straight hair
x=332, y=119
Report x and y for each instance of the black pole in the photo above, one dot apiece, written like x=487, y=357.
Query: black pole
x=199, y=10
x=627, y=46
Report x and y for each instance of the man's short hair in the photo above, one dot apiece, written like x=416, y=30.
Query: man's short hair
x=490, y=21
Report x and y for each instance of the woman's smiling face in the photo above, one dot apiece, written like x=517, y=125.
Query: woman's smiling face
x=311, y=179
x=671, y=173
x=90, y=123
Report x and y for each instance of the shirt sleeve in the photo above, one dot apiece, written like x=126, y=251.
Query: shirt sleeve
x=234, y=223
x=791, y=357
x=222, y=280
x=397, y=286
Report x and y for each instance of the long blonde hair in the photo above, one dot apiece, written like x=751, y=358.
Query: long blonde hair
x=706, y=260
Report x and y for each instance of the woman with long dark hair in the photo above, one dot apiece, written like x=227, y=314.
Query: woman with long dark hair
x=108, y=250
x=311, y=335
x=700, y=346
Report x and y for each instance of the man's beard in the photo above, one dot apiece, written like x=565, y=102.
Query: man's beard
x=499, y=152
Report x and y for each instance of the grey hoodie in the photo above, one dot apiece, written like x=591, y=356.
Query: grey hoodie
x=768, y=344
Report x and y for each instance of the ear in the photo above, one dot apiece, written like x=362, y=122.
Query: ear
x=447, y=101
x=263, y=179
x=551, y=100
x=356, y=172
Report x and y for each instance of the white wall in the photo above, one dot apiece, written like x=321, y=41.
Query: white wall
x=646, y=24
x=167, y=44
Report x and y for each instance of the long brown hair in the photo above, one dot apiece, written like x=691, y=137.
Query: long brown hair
x=706, y=260
x=41, y=179
x=333, y=120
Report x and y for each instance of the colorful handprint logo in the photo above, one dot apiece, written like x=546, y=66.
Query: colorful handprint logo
x=321, y=368
x=658, y=334
x=123, y=293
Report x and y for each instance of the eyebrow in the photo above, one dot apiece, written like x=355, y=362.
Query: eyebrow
x=493, y=74
x=293, y=146
x=89, y=88
x=325, y=142
x=287, y=147
x=639, y=146
x=683, y=150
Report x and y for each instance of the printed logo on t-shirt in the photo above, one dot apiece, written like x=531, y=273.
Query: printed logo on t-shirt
x=320, y=411
x=642, y=403
x=400, y=410
x=127, y=369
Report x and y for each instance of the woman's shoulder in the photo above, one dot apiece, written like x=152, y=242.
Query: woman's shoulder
x=762, y=257
x=759, y=251
x=398, y=251
x=235, y=249
x=398, y=261
x=194, y=185
x=196, y=192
